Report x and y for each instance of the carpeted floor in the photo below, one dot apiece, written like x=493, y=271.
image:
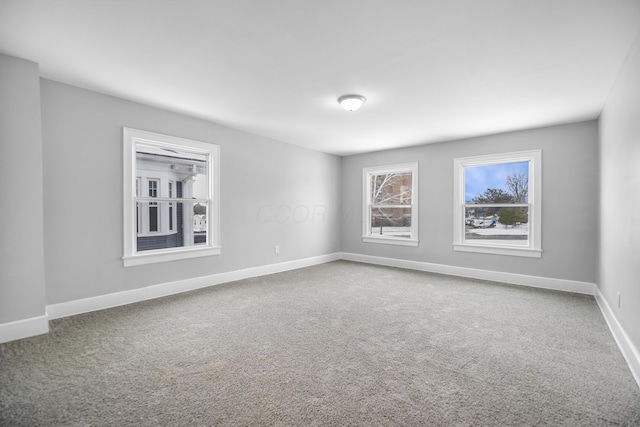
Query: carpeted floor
x=336, y=344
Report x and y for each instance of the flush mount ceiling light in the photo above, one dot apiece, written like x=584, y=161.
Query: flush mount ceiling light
x=351, y=102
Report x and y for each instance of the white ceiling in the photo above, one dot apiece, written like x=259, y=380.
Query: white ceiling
x=431, y=70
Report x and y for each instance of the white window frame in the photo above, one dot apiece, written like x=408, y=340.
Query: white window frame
x=131, y=257
x=534, y=246
x=367, y=236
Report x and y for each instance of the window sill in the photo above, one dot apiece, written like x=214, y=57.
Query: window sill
x=173, y=255
x=498, y=250
x=390, y=241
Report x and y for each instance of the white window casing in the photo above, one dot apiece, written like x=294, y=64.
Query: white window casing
x=533, y=245
x=410, y=233
x=134, y=223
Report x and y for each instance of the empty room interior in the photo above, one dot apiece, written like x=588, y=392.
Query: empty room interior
x=320, y=212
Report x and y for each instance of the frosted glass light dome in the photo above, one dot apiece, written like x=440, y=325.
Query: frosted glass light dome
x=351, y=102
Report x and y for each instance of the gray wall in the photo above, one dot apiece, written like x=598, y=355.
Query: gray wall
x=620, y=197
x=68, y=171
x=22, y=279
x=569, y=202
x=272, y=194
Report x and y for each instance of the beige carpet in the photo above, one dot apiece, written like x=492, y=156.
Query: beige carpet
x=336, y=344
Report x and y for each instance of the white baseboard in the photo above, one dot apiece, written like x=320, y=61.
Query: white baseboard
x=56, y=311
x=629, y=351
x=86, y=305
x=26, y=328
x=473, y=273
x=39, y=325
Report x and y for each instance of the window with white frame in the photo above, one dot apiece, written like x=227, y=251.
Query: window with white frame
x=169, y=182
x=391, y=204
x=172, y=213
x=154, y=212
x=497, y=206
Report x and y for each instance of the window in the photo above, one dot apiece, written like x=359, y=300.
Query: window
x=171, y=210
x=497, y=205
x=153, y=206
x=169, y=182
x=391, y=204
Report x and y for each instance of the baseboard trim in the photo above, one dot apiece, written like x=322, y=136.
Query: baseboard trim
x=177, y=287
x=39, y=325
x=629, y=351
x=25, y=328
x=85, y=305
x=473, y=273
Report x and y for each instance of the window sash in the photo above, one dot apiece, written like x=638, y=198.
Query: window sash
x=491, y=230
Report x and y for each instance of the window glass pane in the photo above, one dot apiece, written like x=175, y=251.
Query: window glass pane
x=507, y=225
x=497, y=183
x=200, y=224
x=391, y=189
x=153, y=217
x=182, y=167
x=394, y=222
x=190, y=226
x=153, y=188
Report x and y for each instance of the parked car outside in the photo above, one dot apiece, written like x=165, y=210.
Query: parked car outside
x=488, y=222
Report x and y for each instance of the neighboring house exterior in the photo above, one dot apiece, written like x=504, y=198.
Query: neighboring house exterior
x=169, y=222
x=392, y=189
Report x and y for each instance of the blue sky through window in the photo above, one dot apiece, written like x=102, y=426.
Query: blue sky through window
x=477, y=179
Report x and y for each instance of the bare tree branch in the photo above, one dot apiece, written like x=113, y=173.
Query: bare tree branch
x=518, y=184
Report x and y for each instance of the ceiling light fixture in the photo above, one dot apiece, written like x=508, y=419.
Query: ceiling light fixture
x=351, y=102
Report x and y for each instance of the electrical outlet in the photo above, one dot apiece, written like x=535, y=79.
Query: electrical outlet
x=619, y=299
x=277, y=249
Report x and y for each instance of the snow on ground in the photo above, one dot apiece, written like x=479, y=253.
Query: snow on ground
x=392, y=231
x=496, y=232
x=500, y=230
